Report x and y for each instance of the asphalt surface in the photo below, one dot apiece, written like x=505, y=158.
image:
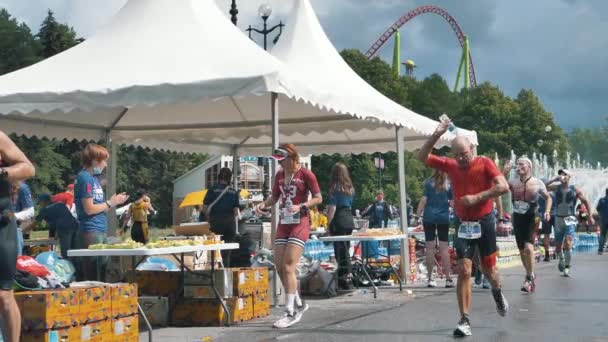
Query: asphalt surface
x=562, y=309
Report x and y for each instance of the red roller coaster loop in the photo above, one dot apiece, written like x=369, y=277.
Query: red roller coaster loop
x=411, y=15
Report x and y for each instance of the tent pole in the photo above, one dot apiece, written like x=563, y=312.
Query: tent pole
x=405, y=257
x=236, y=167
x=111, y=181
x=274, y=105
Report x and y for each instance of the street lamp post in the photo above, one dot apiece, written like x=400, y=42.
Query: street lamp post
x=233, y=12
x=265, y=11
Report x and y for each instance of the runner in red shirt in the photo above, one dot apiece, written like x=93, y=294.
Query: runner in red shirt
x=476, y=181
x=66, y=197
x=291, y=189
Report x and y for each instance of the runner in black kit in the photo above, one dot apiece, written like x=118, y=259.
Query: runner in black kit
x=14, y=167
x=525, y=192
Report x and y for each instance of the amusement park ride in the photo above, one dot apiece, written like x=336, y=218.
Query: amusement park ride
x=466, y=69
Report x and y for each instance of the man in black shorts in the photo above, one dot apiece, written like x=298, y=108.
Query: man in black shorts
x=476, y=181
x=525, y=192
x=14, y=167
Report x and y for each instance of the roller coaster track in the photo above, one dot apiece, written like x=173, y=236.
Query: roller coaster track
x=411, y=15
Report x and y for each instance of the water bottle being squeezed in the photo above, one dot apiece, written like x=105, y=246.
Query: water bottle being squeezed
x=451, y=127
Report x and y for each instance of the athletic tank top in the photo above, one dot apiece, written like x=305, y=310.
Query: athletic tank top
x=566, y=200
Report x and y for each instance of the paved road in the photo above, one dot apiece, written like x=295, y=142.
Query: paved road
x=562, y=309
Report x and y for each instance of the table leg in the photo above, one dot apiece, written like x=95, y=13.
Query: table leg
x=183, y=270
x=148, y=326
x=393, y=269
x=365, y=262
x=217, y=294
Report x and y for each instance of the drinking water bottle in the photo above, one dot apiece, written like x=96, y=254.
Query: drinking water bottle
x=451, y=126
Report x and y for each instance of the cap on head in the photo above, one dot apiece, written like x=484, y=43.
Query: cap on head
x=564, y=172
x=71, y=187
x=280, y=154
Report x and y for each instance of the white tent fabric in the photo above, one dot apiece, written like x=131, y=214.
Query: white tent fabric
x=164, y=74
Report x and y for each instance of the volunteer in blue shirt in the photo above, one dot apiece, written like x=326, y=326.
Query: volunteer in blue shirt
x=435, y=204
x=602, y=210
x=91, y=203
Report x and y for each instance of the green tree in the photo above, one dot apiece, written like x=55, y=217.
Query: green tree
x=56, y=37
x=433, y=97
x=18, y=48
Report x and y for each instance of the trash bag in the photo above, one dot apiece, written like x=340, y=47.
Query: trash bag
x=62, y=269
x=30, y=265
x=26, y=281
x=319, y=282
x=157, y=264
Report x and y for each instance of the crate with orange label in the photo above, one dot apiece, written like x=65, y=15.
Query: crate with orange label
x=97, y=331
x=158, y=283
x=48, y=309
x=209, y=312
x=94, y=304
x=261, y=304
x=125, y=329
x=123, y=299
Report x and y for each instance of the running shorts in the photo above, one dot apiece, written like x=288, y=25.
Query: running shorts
x=562, y=230
x=547, y=226
x=524, y=227
x=486, y=244
x=295, y=234
x=432, y=230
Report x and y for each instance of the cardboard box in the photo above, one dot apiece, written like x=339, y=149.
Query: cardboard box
x=50, y=309
x=193, y=229
x=261, y=304
x=96, y=332
x=125, y=328
x=94, y=304
x=261, y=278
x=123, y=299
x=244, y=281
x=209, y=312
x=158, y=283
x=198, y=284
x=68, y=334
x=156, y=310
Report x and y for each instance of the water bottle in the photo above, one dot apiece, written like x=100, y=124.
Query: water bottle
x=451, y=126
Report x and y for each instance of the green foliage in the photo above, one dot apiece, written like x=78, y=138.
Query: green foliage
x=591, y=144
x=55, y=37
x=18, y=48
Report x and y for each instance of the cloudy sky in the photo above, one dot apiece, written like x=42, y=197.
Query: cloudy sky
x=558, y=48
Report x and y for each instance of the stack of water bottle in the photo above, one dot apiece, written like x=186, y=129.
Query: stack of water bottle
x=316, y=250
x=586, y=243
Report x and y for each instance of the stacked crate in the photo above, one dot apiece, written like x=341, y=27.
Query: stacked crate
x=155, y=288
x=105, y=313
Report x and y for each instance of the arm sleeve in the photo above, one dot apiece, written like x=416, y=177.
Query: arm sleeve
x=208, y=197
x=311, y=181
x=439, y=163
x=85, y=187
x=236, y=203
x=426, y=191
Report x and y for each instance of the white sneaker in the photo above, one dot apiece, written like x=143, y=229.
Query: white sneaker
x=566, y=271
x=300, y=310
x=431, y=283
x=287, y=320
x=463, y=328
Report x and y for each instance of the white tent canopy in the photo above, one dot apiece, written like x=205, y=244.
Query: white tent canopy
x=178, y=75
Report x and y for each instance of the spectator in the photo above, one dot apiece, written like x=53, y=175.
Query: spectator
x=138, y=211
x=379, y=212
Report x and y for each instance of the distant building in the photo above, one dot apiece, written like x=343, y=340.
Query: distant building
x=205, y=175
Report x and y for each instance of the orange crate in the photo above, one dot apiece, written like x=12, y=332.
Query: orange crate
x=68, y=334
x=209, y=312
x=95, y=304
x=243, y=281
x=123, y=299
x=125, y=328
x=96, y=332
x=48, y=309
x=261, y=279
x=261, y=304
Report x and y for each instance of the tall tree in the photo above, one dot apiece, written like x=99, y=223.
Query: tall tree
x=56, y=37
x=18, y=48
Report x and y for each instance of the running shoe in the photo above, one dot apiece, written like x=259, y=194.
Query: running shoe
x=502, y=306
x=289, y=319
x=463, y=328
x=567, y=271
x=485, y=283
x=449, y=283
x=561, y=265
x=431, y=283
x=300, y=310
x=527, y=286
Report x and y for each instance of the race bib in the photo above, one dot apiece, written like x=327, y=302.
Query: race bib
x=288, y=217
x=521, y=207
x=469, y=230
x=570, y=221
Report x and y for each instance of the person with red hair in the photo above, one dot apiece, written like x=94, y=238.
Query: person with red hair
x=293, y=185
x=91, y=203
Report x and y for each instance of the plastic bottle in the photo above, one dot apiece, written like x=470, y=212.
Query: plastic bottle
x=451, y=127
